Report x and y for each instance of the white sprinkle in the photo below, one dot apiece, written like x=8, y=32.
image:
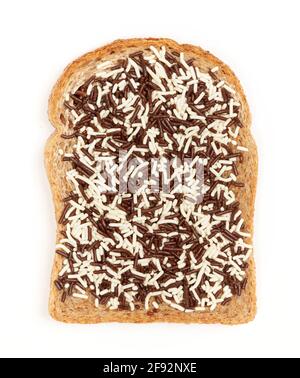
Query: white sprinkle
x=82, y=296
x=241, y=148
x=63, y=270
x=177, y=306
x=229, y=89
x=150, y=295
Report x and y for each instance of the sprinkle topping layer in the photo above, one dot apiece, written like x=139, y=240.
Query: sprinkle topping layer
x=152, y=217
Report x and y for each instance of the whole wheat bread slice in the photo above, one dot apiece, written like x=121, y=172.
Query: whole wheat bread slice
x=242, y=308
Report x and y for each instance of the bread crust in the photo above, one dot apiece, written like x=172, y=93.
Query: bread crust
x=240, y=309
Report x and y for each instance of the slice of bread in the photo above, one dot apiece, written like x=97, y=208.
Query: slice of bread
x=241, y=308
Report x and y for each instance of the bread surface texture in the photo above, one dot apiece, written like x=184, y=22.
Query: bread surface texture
x=241, y=309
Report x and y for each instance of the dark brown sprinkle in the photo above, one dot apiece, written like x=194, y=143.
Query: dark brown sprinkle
x=226, y=301
x=214, y=117
x=221, y=272
x=58, y=284
x=229, y=235
x=136, y=54
x=63, y=234
x=220, y=213
x=62, y=119
x=81, y=171
x=86, y=152
x=234, y=204
x=100, y=271
x=239, y=123
x=64, y=136
x=135, y=113
x=226, y=95
x=70, y=289
x=218, y=293
x=112, y=144
x=213, y=75
x=81, y=189
x=100, y=149
x=94, y=94
x=76, y=100
x=140, y=227
x=214, y=263
x=67, y=158
x=237, y=154
x=70, y=197
x=197, y=111
x=226, y=247
x=62, y=253
x=215, y=159
x=152, y=209
x=116, y=133
x=89, y=234
x=82, y=166
x=68, y=106
x=64, y=296
x=237, y=184
x=71, y=265
x=213, y=233
x=234, y=168
x=63, y=214
x=231, y=123
x=68, y=245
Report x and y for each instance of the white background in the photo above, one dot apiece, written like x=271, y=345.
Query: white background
x=259, y=40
